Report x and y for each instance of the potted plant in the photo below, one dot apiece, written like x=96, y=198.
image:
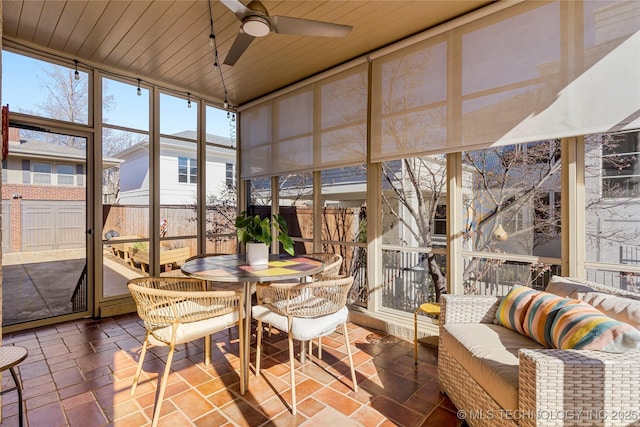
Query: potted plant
x=255, y=233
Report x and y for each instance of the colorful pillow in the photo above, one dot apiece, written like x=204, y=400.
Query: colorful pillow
x=583, y=327
x=513, y=307
x=540, y=315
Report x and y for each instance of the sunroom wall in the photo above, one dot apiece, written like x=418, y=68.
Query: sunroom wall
x=506, y=74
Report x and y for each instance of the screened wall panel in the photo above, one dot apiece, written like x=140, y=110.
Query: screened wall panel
x=534, y=71
x=319, y=126
x=255, y=134
x=409, y=91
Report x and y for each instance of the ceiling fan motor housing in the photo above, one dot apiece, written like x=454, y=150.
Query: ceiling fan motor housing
x=256, y=26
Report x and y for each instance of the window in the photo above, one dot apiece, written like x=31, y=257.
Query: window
x=512, y=202
x=612, y=216
x=38, y=79
x=512, y=210
x=41, y=173
x=440, y=220
x=230, y=175
x=66, y=174
x=414, y=228
x=187, y=170
x=620, y=166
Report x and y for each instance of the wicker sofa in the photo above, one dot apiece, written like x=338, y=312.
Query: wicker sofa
x=498, y=377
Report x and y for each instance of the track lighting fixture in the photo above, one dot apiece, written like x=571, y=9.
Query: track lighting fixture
x=139, y=91
x=76, y=74
x=188, y=100
x=226, y=104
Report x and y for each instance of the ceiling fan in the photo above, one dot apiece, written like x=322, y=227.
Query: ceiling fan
x=256, y=22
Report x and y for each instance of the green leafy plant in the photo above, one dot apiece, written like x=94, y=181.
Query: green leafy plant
x=252, y=228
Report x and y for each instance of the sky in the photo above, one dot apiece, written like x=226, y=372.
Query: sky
x=23, y=89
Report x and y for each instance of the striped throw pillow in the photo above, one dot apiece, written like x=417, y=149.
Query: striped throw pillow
x=540, y=315
x=513, y=307
x=583, y=327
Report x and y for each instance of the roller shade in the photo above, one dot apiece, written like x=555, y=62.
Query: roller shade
x=531, y=72
x=320, y=126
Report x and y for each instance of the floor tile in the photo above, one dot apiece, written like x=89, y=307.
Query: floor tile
x=80, y=373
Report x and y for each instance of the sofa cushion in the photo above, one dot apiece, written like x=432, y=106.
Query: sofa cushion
x=624, y=309
x=540, y=316
x=513, y=307
x=617, y=303
x=583, y=327
x=489, y=354
x=565, y=286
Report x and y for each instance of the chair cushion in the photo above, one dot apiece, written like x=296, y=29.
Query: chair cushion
x=583, y=327
x=302, y=329
x=540, y=315
x=489, y=354
x=513, y=307
x=186, y=332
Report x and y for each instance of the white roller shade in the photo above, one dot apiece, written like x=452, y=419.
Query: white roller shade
x=534, y=71
x=319, y=126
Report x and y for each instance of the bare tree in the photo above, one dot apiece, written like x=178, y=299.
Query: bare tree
x=221, y=213
x=511, y=203
x=67, y=99
x=416, y=187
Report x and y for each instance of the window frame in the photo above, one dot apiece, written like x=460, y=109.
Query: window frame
x=35, y=173
x=629, y=148
x=71, y=176
x=191, y=173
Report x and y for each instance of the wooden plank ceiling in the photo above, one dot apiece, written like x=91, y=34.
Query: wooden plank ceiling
x=167, y=42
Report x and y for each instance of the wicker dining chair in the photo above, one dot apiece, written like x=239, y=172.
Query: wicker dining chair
x=305, y=311
x=332, y=264
x=179, y=310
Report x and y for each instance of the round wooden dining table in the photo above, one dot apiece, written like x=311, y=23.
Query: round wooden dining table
x=234, y=269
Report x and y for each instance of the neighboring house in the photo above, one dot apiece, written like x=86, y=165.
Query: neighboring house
x=178, y=169
x=612, y=179
x=43, y=195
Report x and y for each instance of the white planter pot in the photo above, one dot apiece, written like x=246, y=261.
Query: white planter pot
x=257, y=254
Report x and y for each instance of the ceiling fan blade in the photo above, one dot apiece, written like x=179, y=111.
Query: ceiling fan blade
x=240, y=44
x=237, y=8
x=306, y=27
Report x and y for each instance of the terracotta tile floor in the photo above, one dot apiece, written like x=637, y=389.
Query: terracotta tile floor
x=79, y=374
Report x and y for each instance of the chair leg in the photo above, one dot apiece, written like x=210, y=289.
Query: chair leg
x=140, y=362
x=320, y=348
x=241, y=353
x=415, y=338
x=20, y=402
x=163, y=386
x=207, y=350
x=353, y=371
x=258, y=346
x=292, y=373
